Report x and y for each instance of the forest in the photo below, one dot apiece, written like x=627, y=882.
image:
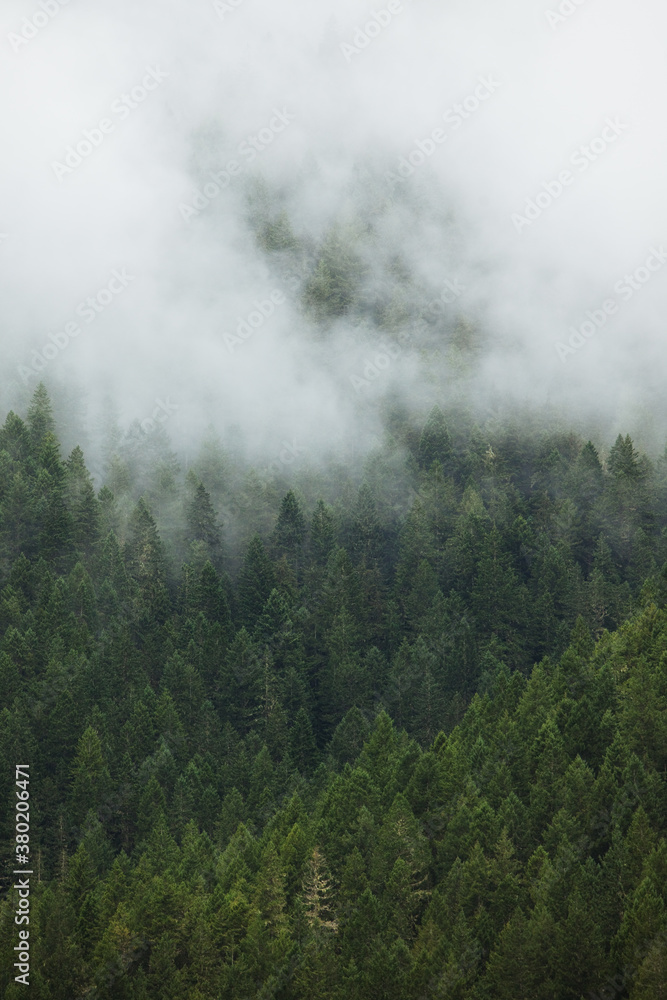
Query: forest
x=396, y=731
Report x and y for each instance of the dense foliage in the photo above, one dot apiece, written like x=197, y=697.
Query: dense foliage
x=402, y=737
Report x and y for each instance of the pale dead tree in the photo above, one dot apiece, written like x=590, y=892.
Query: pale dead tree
x=318, y=894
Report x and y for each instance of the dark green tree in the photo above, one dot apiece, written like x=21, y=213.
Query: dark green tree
x=435, y=443
x=256, y=581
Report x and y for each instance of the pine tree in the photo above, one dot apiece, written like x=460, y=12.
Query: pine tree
x=519, y=964
x=608, y=598
x=302, y=743
x=19, y=518
x=290, y=531
x=55, y=538
x=40, y=417
x=623, y=459
x=256, y=581
x=322, y=533
x=82, y=503
x=366, y=533
x=212, y=599
x=202, y=523
x=331, y=288
x=498, y=598
x=348, y=738
x=318, y=894
x=144, y=555
x=435, y=444
x=15, y=439
x=91, y=782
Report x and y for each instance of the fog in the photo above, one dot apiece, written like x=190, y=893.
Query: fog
x=543, y=190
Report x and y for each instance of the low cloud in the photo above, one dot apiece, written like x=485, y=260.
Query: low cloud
x=254, y=156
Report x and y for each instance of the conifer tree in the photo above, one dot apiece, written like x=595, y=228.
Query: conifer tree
x=144, y=555
x=623, y=459
x=366, y=533
x=40, y=417
x=322, y=533
x=256, y=581
x=302, y=743
x=331, y=288
x=290, y=531
x=202, y=523
x=91, y=782
x=319, y=899
x=435, y=443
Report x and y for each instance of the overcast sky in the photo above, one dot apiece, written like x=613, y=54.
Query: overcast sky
x=549, y=162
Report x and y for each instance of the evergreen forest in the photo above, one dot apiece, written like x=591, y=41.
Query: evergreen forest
x=394, y=732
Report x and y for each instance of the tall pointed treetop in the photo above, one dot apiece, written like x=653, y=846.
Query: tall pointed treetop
x=435, y=444
x=40, y=415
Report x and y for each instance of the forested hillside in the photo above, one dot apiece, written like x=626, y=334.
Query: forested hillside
x=394, y=733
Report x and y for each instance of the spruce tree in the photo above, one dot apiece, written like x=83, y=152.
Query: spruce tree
x=144, y=556
x=290, y=531
x=256, y=581
x=322, y=533
x=435, y=443
x=202, y=523
x=40, y=417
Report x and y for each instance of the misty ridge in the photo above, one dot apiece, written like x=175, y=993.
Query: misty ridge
x=256, y=240
x=314, y=213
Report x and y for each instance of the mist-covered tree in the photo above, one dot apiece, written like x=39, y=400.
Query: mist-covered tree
x=144, y=556
x=202, y=523
x=435, y=443
x=366, y=532
x=331, y=288
x=290, y=530
x=40, y=417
